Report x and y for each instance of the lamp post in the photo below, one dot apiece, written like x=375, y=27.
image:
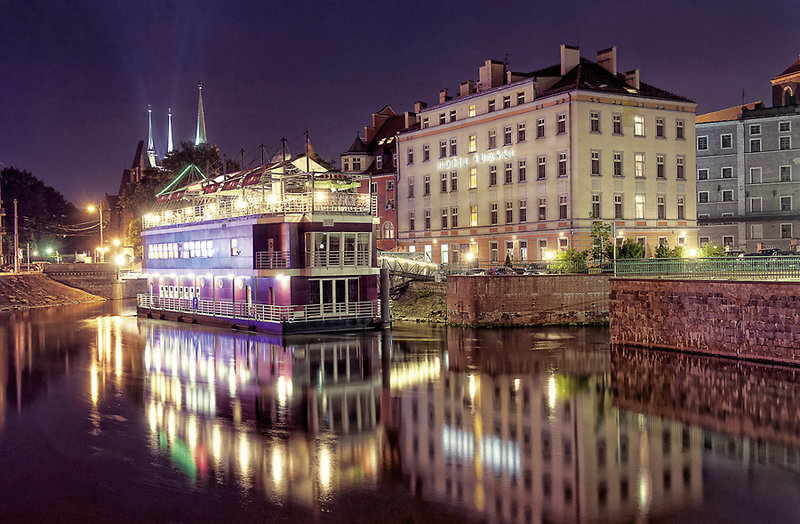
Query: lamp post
x=99, y=208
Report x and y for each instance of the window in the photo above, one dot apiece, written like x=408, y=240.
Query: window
x=562, y=207
x=702, y=143
x=679, y=130
x=473, y=215
x=473, y=178
x=681, y=208
x=786, y=203
x=639, y=202
x=661, y=171
x=786, y=231
x=523, y=210
x=444, y=218
x=346, y=165
x=454, y=217
x=617, y=163
x=509, y=212
x=373, y=188
x=410, y=156
x=702, y=197
x=235, y=251
x=506, y=101
x=727, y=241
x=638, y=165
x=659, y=127
x=356, y=164
x=638, y=125
x=521, y=132
x=427, y=186
x=491, y=106
x=785, y=173
x=493, y=213
x=444, y=182
x=540, y=128
x=662, y=207
x=411, y=187
x=727, y=172
x=493, y=251
x=442, y=148
x=426, y=152
x=388, y=230
x=541, y=168
x=425, y=123
x=594, y=122
x=471, y=110
x=453, y=147
x=492, y=175
x=492, y=139
x=616, y=121
x=454, y=181
x=542, y=209
x=727, y=195
x=755, y=174
x=704, y=240
x=427, y=219
x=523, y=250
x=755, y=129
x=596, y=205
x=595, y=162
x=390, y=185
x=520, y=97
x=472, y=144
x=562, y=164
x=726, y=141
x=452, y=115
x=618, y=206
x=522, y=174
x=561, y=124
x=508, y=173
x=679, y=165
x=702, y=174
x=507, y=136
x=390, y=203
x=785, y=143
x=755, y=145
x=411, y=221
x=784, y=127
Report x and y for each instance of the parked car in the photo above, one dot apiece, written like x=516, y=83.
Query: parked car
x=499, y=270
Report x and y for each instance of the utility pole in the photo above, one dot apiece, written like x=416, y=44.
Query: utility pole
x=241, y=166
x=16, y=238
x=262, y=154
x=308, y=170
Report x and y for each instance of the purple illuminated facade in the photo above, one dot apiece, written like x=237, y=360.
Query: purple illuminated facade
x=267, y=249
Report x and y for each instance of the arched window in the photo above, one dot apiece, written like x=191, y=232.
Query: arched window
x=788, y=96
x=388, y=230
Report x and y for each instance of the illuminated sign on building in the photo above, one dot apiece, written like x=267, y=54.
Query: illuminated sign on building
x=482, y=158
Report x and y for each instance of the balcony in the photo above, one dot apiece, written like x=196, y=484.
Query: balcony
x=272, y=260
x=338, y=259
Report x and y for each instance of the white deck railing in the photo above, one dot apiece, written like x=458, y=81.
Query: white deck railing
x=272, y=260
x=261, y=312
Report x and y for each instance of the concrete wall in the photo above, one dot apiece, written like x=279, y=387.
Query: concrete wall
x=97, y=279
x=752, y=320
x=527, y=299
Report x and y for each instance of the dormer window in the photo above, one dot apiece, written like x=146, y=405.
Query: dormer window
x=379, y=162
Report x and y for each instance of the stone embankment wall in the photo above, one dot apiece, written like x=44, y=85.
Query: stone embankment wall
x=527, y=300
x=30, y=290
x=421, y=302
x=97, y=279
x=753, y=320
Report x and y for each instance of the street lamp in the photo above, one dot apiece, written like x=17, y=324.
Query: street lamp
x=99, y=208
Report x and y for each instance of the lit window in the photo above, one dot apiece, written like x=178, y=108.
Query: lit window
x=472, y=145
x=639, y=201
x=638, y=125
x=473, y=215
x=473, y=178
x=471, y=110
x=638, y=165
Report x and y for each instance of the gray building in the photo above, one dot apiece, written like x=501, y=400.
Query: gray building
x=748, y=172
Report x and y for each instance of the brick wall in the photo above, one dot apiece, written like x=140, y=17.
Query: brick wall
x=753, y=320
x=527, y=300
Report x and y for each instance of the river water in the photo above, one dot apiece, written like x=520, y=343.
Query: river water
x=106, y=417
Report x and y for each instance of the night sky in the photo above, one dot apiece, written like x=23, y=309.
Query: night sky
x=76, y=77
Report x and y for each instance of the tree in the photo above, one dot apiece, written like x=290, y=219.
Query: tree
x=570, y=261
x=710, y=250
x=663, y=251
x=602, y=245
x=508, y=262
x=135, y=237
x=630, y=249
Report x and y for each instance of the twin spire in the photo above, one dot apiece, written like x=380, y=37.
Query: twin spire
x=200, y=136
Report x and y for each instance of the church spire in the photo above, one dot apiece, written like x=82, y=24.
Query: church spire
x=151, y=150
x=169, y=131
x=200, y=137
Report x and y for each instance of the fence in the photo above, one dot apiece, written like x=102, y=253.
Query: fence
x=723, y=268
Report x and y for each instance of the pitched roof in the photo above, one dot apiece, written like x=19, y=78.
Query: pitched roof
x=140, y=159
x=358, y=146
x=729, y=113
x=794, y=68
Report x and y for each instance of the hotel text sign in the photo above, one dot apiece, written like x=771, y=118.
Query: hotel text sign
x=482, y=158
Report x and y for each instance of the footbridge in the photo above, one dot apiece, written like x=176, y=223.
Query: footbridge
x=406, y=267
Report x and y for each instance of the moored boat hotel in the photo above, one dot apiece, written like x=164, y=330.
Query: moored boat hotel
x=286, y=247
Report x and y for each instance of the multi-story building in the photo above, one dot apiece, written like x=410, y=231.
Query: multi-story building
x=748, y=185
x=519, y=163
x=376, y=156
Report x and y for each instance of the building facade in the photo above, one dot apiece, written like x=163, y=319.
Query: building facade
x=522, y=163
x=748, y=184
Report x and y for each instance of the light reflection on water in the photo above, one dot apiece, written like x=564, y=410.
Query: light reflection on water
x=513, y=425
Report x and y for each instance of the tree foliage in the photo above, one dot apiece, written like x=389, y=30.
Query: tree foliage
x=710, y=250
x=570, y=260
x=630, y=249
x=663, y=251
x=602, y=244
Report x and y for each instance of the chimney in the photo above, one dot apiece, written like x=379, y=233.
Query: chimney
x=369, y=133
x=632, y=78
x=419, y=105
x=443, y=96
x=467, y=88
x=570, y=57
x=409, y=119
x=491, y=74
x=607, y=58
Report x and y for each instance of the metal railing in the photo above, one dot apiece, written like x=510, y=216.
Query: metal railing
x=724, y=268
x=263, y=312
x=272, y=260
x=338, y=259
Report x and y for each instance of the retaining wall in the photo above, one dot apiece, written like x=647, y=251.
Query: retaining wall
x=527, y=300
x=751, y=320
x=98, y=279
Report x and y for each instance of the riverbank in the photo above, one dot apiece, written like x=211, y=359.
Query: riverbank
x=36, y=290
x=422, y=302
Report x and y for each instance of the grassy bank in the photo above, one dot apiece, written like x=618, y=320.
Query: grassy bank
x=36, y=290
x=422, y=302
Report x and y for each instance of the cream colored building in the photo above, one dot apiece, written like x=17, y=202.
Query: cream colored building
x=518, y=162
